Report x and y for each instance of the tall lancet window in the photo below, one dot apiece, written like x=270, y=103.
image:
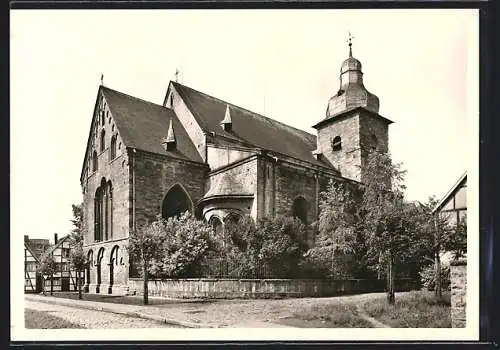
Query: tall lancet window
x=94, y=161
x=109, y=208
x=112, y=148
x=103, y=212
x=103, y=139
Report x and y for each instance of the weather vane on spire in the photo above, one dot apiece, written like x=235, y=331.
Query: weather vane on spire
x=102, y=79
x=176, y=75
x=350, y=43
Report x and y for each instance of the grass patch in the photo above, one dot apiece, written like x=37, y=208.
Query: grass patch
x=327, y=316
x=417, y=309
x=34, y=319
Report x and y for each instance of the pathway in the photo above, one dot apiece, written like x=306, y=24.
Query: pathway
x=91, y=318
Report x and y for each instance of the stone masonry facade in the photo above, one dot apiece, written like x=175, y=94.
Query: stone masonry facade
x=198, y=153
x=458, y=276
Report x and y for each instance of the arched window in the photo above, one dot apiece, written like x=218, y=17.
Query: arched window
x=102, y=114
x=103, y=139
x=113, y=261
x=112, y=148
x=374, y=142
x=100, y=255
x=98, y=215
x=216, y=224
x=103, y=212
x=299, y=209
x=336, y=143
x=94, y=161
x=109, y=211
x=176, y=202
x=90, y=258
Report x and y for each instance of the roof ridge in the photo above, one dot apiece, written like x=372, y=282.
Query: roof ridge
x=134, y=97
x=30, y=249
x=53, y=247
x=245, y=109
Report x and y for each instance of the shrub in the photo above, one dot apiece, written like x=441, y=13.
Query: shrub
x=272, y=248
x=428, y=281
x=186, y=243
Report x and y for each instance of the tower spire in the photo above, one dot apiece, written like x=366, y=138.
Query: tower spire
x=227, y=122
x=349, y=40
x=169, y=142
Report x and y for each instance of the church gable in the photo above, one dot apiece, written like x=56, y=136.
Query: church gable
x=130, y=122
x=105, y=142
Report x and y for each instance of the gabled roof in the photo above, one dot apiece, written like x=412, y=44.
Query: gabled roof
x=27, y=246
x=54, y=247
x=143, y=125
x=248, y=127
x=451, y=192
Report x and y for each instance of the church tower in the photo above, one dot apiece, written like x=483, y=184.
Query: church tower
x=352, y=127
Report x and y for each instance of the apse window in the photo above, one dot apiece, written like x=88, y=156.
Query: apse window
x=337, y=143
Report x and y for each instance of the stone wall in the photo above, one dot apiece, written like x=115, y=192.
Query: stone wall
x=115, y=170
x=155, y=175
x=458, y=276
x=348, y=159
x=292, y=182
x=357, y=130
x=116, y=284
x=261, y=288
x=189, y=123
x=220, y=155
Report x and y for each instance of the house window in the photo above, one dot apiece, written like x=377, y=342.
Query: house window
x=103, y=145
x=171, y=100
x=337, y=143
x=112, y=148
x=94, y=161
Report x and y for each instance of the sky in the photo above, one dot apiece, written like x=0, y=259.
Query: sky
x=422, y=64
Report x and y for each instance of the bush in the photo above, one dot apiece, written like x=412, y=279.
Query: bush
x=272, y=248
x=428, y=281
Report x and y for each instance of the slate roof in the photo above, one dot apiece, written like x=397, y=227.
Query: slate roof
x=226, y=185
x=32, y=252
x=37, y=247
x=249, y=127
x=143, y=125
x=53, y=247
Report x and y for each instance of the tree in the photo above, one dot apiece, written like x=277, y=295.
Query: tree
x=78, y=224
x=185, y=243
x=79, y=264
x=273, y=247
x=385, y=215
x=434, y=232
x=145, y=247
x=279, y=245
x=339, y=247
x=456, y=240
x=48, y=268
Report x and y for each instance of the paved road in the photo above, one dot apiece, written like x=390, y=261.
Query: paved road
x=94, y=319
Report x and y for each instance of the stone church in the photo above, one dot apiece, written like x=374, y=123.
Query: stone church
x=199, y=153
